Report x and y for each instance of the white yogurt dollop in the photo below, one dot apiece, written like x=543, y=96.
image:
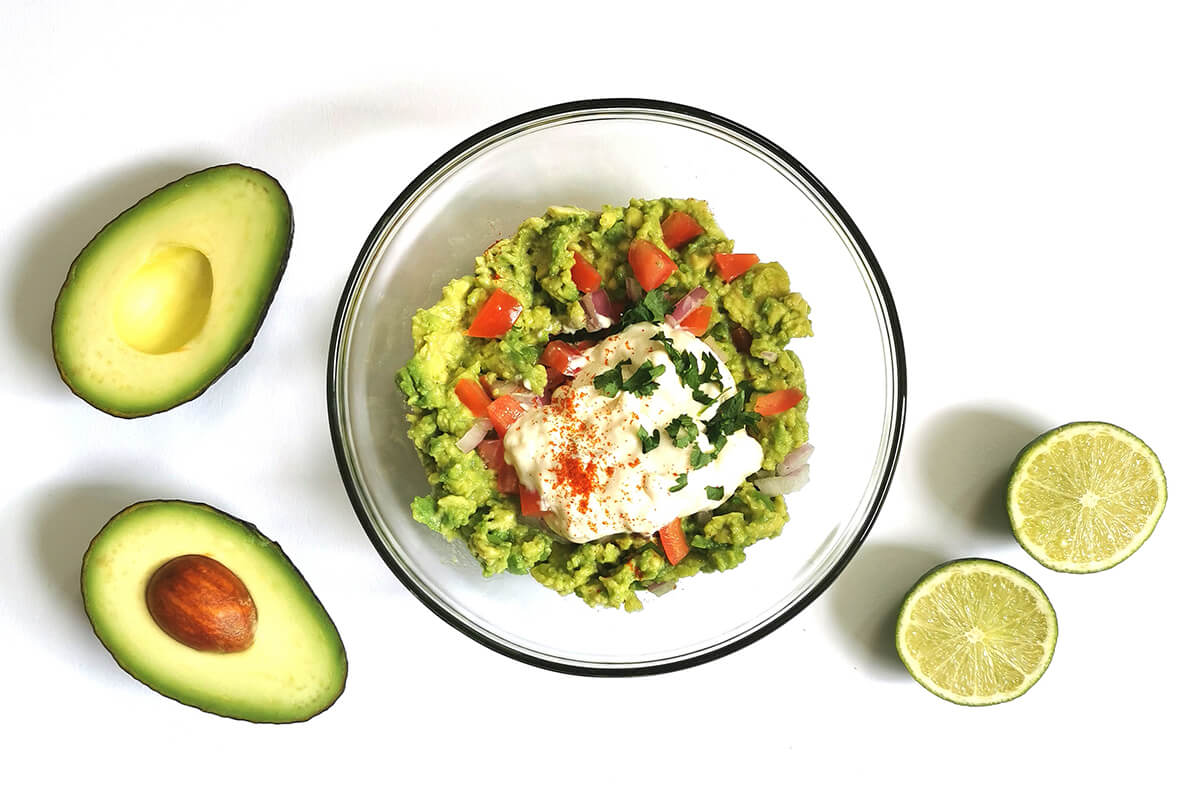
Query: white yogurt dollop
x=582, y=452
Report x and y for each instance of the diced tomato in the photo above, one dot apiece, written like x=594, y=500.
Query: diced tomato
x=697, y=321
x=679, y=228
x=585, y=276
x=496, y=315
x=492, y=453
x=777, y=402
x=506, y=480
x=503, y=412
x=563, y=358
x=473, y=396
x=730, y=265
x=531, y=502
x=741, y=338
x=651, y=266
x=674, y=545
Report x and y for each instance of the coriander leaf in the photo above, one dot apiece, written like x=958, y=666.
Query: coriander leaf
x=689, y=372
x=711, y=373
x=699, y=458
x=714, y=492
x=649, y=441
x=685, y=365
x=680, y=483
x=641, y=383
x=731, y=415
x=651, y=308
x=682, y=430
x=610, y=382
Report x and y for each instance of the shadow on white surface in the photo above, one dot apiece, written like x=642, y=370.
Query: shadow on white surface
x=65, y=520
x=965, y=455
x=66, y=225
x=866, y=599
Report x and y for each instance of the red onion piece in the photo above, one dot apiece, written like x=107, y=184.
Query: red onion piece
x=527, y=400
x=786, y=485
x=660, y=588
x=471, y=439
x=794, y=460
x=633, y=289
x=690, y=302
x=599, y=310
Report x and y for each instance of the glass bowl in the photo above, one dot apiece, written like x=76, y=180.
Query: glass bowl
x=586, y=154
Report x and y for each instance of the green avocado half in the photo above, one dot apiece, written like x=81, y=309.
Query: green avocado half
x=294, y=666
x=170, y=294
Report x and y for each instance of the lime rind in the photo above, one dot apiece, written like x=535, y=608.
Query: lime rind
x=1043, y=444
x=934, y=579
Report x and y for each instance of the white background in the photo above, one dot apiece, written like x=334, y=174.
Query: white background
x=1026, y=174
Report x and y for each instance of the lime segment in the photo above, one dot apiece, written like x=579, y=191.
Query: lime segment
x=1084, y=497
x=976, y=632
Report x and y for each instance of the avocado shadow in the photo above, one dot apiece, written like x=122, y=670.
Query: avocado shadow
x=60, y=232
x=65, y=522
x=866, y=600
x=966, y=454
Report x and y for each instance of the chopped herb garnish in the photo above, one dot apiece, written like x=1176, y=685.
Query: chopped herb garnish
x=682, y=430
x=651, y=308
x=680, y=483
x=714, y=492
x=731, y=415
x=649, y=441
x=688, y=368
x=641, y=383
x=610, y=382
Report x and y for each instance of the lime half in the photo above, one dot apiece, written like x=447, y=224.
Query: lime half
x=1084, y=496
x=976, y=632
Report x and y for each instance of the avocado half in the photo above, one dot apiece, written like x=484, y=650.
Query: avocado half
x=170, y=294
x=294, y=667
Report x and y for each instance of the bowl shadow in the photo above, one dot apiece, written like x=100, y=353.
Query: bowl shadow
x=965, y=456
x=62, y=230
x=866, y=599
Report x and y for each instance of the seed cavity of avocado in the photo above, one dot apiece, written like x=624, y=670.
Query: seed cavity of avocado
x=163, y=305
x=171, y=293
x=167, y=588
x=201, y=603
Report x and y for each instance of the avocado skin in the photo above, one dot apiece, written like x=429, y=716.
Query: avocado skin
x=237, y=355
x=277, y=552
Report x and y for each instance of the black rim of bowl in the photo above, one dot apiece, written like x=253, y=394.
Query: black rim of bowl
x=885, y=297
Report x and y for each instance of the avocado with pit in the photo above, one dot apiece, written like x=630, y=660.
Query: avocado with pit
x=204, y=609
x=170, y=294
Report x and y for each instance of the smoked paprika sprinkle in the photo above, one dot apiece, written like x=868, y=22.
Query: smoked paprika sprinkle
x=616, y=464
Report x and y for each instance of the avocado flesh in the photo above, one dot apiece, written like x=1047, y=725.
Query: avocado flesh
x=170, y=294
x=296, y=666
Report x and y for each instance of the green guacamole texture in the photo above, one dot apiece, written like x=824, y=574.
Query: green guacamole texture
x=534, y=266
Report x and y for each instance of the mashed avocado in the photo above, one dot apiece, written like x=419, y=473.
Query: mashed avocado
x=753, y=318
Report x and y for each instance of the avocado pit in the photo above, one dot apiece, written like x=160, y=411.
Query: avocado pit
x=199, y=602
x=164, y=303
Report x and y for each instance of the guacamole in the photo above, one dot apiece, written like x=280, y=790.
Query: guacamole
x=485, y=343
